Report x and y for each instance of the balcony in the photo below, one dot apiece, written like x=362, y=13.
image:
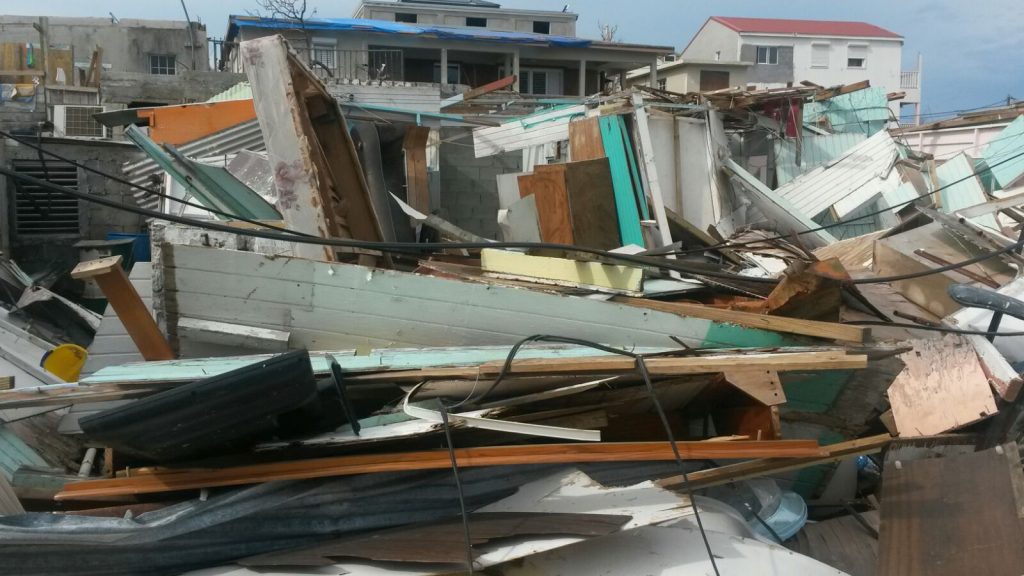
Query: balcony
x=374, y=65
x=910, y=80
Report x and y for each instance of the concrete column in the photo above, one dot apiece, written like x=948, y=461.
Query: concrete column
x=583, y=78
x=654, y=73
x=444, y=66
x=515, y=69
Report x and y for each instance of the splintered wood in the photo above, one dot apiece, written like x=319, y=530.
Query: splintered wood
x=943, y=387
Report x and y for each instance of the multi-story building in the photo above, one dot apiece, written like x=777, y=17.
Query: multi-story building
x=828, y=53
x=451, y=42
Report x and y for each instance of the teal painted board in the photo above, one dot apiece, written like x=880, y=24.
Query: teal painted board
x=961, y=189
x=1000, y=153
x=813, y=392
x=815, y=150
x=622, y=181
x=14, y=454
x=633, y=171
x=864, y=111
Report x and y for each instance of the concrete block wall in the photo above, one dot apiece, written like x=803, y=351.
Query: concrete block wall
x=469, y=185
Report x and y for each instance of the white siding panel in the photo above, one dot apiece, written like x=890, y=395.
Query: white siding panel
x=521, y=133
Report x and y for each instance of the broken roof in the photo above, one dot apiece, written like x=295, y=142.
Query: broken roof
x=804, y=27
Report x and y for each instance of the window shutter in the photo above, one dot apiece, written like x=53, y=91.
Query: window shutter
x=819, y=55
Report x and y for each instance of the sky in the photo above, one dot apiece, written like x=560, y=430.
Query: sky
x=973, y=51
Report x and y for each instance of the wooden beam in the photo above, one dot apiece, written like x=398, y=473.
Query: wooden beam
x=761, y=385
x=417, y=185
x=128, y=305
x=479, y=91
x=829, y=330
x=609, y=365
x=27, y=72
x=67, y=394
x=766, y=466
x=168, y=481
x=840, y=90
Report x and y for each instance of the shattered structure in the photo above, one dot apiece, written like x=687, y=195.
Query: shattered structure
x=634, y=332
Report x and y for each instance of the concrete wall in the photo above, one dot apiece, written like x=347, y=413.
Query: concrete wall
x=686, y=77
x=94, y=220
x=713, y=42
x=561, y=23
x=469, y=185
x=126, y=44
x=128, y=87
x=773, y=74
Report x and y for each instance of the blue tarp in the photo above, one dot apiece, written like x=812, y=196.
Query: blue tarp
x=383, y=27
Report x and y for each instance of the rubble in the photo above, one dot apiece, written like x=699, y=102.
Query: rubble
x=676, y=351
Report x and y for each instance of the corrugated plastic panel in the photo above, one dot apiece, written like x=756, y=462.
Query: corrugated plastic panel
x=1008, y=144
x=816, y=150
x=961, y=188
x=863, y=172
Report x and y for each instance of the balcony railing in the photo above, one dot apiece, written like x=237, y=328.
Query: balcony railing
x=910, y=80
x=375, y=65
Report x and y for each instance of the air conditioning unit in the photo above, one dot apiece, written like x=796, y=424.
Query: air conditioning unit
x=78, y=122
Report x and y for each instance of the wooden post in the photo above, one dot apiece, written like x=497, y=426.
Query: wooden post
x=128, y=305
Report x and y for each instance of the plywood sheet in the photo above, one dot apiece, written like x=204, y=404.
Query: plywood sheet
x=547, y=185
x=943, y=387
x=595, y=222
x=954, y=515
x=585, y=142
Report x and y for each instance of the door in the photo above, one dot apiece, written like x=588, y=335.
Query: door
x=713, y=80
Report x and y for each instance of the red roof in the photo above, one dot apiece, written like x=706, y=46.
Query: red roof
x=805, y=27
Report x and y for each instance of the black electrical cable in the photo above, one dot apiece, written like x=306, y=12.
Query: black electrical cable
x=642, y=369
x=943, y=329
x=458, y=486
x=41, y=150
x=401, y=247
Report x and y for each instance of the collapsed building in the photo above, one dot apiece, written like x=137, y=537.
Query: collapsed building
x=488, y=329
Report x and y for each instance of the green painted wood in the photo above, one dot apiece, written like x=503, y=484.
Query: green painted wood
x=633, y=171
x=622, y=180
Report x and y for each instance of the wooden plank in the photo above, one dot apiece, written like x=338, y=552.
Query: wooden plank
x=233, y=335
x=417, y=186
x=547, y=185
x=434, y=460
x=584, y=274
x=66, y=394
x=130, y=308
x=829, y=330
x=773, y=466
x=942, y=387
x=953, y=515
x=626, y=206
x=479, y=91
x=659, y=366
x=646, y=149
x=585, y=141
x=595, y=222
x=29, y=73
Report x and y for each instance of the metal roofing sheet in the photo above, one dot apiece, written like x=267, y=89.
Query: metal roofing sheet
x=815, y=150
x=961, y=188
x=805, y=27
x=1005, y=154
x=865, y=111
x=862, y=173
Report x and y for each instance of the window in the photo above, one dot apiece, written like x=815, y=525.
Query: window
x=767, y=54
x=477, y=22
x=856, y=56
x=662, y=83
x=819, y=55
x=713, y=80
x=541, y=27
x=540, y=81
x=453, y=73
x=162, y=64
x=405, y=17
x=326, y=55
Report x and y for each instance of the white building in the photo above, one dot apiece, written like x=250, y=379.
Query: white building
x=824, y=52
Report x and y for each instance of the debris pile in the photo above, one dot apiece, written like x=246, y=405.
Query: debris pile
x=700, y=321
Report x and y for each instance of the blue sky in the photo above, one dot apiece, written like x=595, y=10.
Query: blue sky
x=973, y=51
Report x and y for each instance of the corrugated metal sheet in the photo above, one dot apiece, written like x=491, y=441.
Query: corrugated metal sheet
x=967, y=190
x=864, y=111
x=847, y=183
x=1009, y=143
x=245, y=136
x=815, y=150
